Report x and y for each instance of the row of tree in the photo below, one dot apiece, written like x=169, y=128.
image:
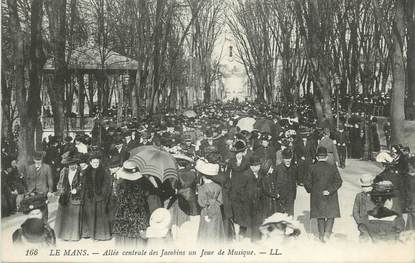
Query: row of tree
x=173, y=42
x=343, y=46
x=324, y=47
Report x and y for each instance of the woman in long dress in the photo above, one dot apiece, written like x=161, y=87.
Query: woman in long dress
x=210, y=200
x=132, y=213
x=97, y=182
x=68, y=217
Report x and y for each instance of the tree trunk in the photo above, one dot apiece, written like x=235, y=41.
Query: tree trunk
x=318, y=107
x=57, y=24
x=120, y=104
x=411, y=58
x=398, y=75
x=25, y=146
x=81, y=98
x=91, y=94
x=135, y=94
x=132, y=86
x=207, y=93
x=6, y=95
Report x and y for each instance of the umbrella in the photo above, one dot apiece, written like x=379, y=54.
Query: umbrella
x=190, y=114
x=246, y=123
x=269, y=126
x=154, y=161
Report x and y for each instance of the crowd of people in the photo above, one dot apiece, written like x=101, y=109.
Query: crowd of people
x=237, y=177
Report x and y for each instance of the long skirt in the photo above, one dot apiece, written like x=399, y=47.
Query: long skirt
x=96, y=221
x=178, y=216
x=211, y=229
x=68, y=222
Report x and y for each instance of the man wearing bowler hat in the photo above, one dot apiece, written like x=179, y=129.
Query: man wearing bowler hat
x=322, y=182
x=39, y=179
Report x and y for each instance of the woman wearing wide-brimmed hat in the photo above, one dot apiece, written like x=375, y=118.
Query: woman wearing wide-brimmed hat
x=132, y=212
x=391, y=173
x=362, y=204
x=384, y=224
x=97, y=184
x=68, y=217
x=210, y=200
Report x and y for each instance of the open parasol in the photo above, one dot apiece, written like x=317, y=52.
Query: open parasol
x=154, y=161
x=246, y=123
x=190, y=114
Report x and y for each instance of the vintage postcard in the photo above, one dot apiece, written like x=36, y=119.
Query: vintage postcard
x=208, y=131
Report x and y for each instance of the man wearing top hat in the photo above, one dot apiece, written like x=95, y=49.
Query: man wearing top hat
x=322, y=182
x=39, y=179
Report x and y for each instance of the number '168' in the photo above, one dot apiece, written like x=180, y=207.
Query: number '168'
x=32, y=252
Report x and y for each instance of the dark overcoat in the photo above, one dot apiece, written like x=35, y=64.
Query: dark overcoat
x=96, y=220
x=254, y=204
x=286, y=186
x=271, y=203
x=323, y=176
x=239, y=181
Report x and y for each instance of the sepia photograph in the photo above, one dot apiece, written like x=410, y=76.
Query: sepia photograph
x=207, y=131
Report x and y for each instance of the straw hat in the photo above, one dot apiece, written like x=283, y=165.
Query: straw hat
x=366, y=180
x=129, y=171
x=384, y=157
x=207, y=168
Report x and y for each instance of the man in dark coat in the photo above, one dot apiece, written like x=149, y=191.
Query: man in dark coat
x=236, y=171
x=254, y=198
x=39, y=179
x=322, y=182
x=286, y=173
x=342, y=140
x=271, y=202
x=128, y=145
x=304, y=153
